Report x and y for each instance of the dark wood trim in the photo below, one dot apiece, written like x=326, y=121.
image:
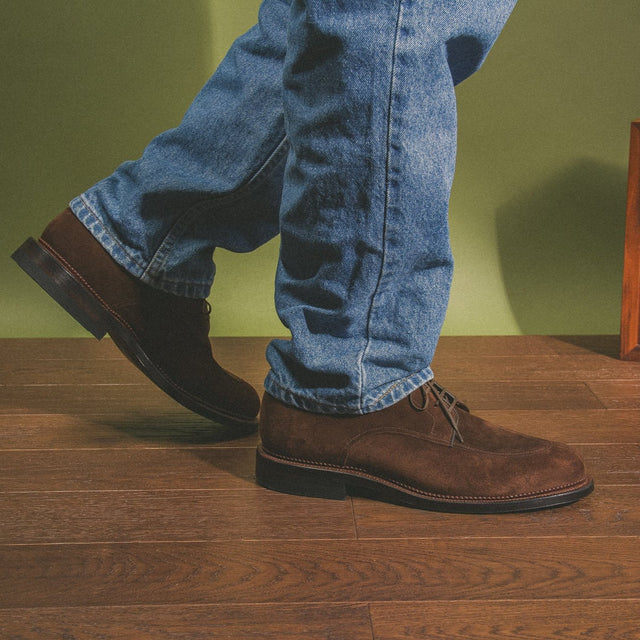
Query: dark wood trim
x=630, y=317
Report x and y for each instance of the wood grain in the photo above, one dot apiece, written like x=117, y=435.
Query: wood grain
x=591, y=426
x=524, y=620
x=143, y=399
x=338, y=571
x=608, y=345
x=190, y=622
x=471, y=367
x=88, y=361
x=129, y=469
x=118, y=430
x=556, y=368
x=495, y=346
x=200, y=515
x=610, y=511
x=630, y=312
x=190, y=515
x=617, y=394
x=122, y=515
x=210, y=468
x=484, y=395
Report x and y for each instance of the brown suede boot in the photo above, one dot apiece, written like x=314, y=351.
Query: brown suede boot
x=165, y=336
x=426, y=451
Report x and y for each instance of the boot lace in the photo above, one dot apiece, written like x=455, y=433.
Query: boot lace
x=447, y=403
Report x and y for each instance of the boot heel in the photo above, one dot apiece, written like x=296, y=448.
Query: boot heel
x=62, y=286
x=299, y=481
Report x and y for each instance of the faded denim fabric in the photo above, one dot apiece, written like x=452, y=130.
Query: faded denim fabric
x=334, y=123
x=214, y=181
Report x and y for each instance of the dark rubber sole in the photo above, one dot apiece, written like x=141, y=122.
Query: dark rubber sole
x=295, y=479
x=77, y=300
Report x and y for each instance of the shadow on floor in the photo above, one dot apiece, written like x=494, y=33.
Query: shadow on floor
x=186, y=429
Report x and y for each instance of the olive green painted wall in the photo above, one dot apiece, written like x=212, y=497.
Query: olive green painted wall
x=537, y=211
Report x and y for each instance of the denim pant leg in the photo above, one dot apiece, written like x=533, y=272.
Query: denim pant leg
x=365, y=267
x=215, y=180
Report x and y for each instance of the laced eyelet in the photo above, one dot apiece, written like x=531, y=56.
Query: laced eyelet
x=447, y=402
x=425, y=399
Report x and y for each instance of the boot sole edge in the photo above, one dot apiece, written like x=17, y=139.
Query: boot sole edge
x=286, y=477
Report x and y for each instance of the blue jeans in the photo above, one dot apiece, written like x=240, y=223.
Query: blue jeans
x=333, y=123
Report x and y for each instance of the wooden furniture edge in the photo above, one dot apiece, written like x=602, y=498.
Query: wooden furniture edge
x=630, y=312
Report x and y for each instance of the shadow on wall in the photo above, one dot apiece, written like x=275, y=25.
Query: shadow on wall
x=561, y=250
x=86, y=85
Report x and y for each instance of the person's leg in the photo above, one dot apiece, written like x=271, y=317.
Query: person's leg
x=365, y=269
x=134, y=257
x=213, y=181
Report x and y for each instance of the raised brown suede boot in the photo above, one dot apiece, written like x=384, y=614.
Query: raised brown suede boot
x=165, y=336
x=426, y=451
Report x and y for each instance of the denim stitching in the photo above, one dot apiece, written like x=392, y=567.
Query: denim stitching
x=386, y=204
x=97, y=220
x=309, y=403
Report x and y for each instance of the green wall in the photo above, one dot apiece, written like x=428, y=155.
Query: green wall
x=537, y=212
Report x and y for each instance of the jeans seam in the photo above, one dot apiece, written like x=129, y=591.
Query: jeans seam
x=107, y=231
x=387, y=169
x=310, y=403
x=161, y=254
x=301, y=397
x=101, y=232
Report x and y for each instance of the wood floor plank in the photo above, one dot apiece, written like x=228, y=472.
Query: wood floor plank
x=124, y=515
x=612, y=464
x=111, y=430
x=129, y=516
x=205, y=622
x=137, y=516
x=244, y=350
x=100, y=371
x=209, y=468
x=19, y=349
x=535, y=368
x=115, y=430
x=617, y=394
x=592, y=426
x=461, y=346
x=126, y=470
x=524, y=620
x=577, y=345
x=481, y=395
x=609, y=511
x=87, y=361
x=84, y=371
x=144, y=398
x=338, y=571
x=89, y=366
x=140, y=400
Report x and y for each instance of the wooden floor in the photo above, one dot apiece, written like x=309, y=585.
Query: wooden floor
x=124, y=516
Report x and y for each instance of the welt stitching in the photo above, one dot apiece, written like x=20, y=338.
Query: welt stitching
x=366, y=474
